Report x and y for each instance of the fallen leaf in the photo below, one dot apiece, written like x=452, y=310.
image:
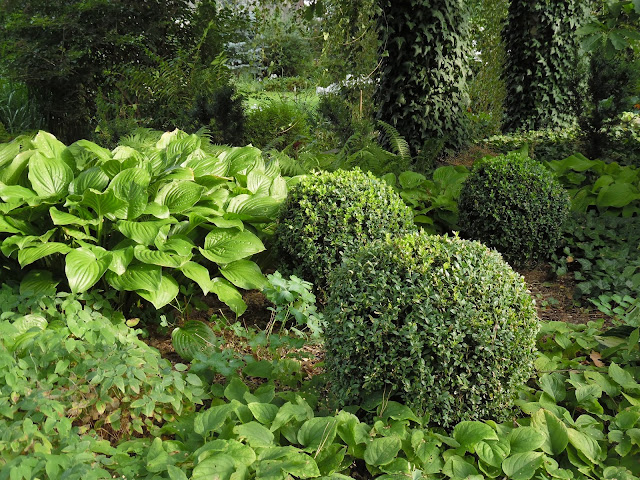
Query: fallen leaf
x=596, y=358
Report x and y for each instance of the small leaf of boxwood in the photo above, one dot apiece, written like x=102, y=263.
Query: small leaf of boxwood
x=256, y=435
x=468, y=434
x=522, y=466
x=382, y=450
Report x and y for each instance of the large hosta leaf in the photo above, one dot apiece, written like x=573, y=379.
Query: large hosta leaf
x=617, y=195
x=164, y=294
x=16, y=193
x=244, y=274
x=226, y=245
x=156, y=257
x=203, y=164
x=102, y=203
x=65, y=218
x=144, y=233
x=102, y=153
x=11, y=173
x=84, y=268
x=49, y=177
x=131, y=186
x=228, y=295
x=91, y=178
x=179, y=196
x=253, y=208
x=29, y=255
x=198, y=274
x=136, y=277
x=243, y=159
x=192, y=338
x=121, y=257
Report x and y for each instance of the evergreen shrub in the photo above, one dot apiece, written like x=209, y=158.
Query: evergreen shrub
x=441, y=324
x=328, y=214
x=513, y=204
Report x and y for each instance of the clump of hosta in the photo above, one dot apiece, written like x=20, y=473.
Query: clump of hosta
x=441, y=324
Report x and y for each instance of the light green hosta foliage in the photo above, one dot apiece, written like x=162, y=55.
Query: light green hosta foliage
x=156, y=210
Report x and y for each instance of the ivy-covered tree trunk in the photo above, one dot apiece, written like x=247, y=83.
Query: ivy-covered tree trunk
x=542, y=63
x=423, y=78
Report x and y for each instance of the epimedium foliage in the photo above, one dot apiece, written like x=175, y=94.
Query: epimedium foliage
x=132, y=218
x=541, y=63
x=422, y=90
x=62, y=50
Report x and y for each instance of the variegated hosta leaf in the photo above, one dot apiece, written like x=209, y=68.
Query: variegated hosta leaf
x=192, y=338
x=164, y=294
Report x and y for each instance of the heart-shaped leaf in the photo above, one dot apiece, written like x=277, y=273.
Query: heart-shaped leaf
x=83, y=268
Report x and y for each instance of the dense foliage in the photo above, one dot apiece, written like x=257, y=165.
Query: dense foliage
x=156, y=206
x=327, y=215
x=513, y=204
x=541, y=64
x=441, y=324
x=422, y=90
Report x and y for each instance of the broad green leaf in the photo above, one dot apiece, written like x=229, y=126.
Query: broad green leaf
x=155, y=257
x=120, y=259
x=144, y=233
x=38, y=283
x=244, y=274
x=382, y=450
x=64, y=218
x=179, y=196
x=102, y=203
x=242, y=454
x=218, y=467
x=191, y=338
x=622, y=377
x=10, y=193
x=10, y=175
x=253, y=208
x=317, y=431
x=398, y=411
x=27, y=322
x=260, y=368
x=242, y=159
x=131, y=186
x=205, y=164
x=555, y=432
x=49, y=177
x=198, y=274
x=156, y=210
x=526, y=439
x=236, y=390
x=458, y=467
x=278, y=189
x=553, y=385
x=224, y=245
x=522, y=466
x=93, y=178
x=83, y=269
x=329, y=459
x=167, y=291
x=256, y=435
x=258, y=183
x=409, y=180
x=265, y=413
x=212, y=419
x=617, y=195
x=228, y=295
x=296, y=465
x=586, y=445
x=29, y=255
x=137, y=277
x=101, y=153
x=468, y=434
x=157, y=458
x=176, y=473
x=493, y=452
x=48, y=145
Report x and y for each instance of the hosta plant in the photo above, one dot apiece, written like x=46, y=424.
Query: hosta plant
x=156, y=210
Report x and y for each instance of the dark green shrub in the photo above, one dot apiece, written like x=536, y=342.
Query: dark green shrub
x=442, y=324
x=336, y=116
x=223, y=114
x=513, y=204
x=328, y=214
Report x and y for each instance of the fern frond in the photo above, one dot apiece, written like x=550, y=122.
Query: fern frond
x=398, y=144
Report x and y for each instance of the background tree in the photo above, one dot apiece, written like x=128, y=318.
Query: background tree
x=422, y=90
x=62, y=51
x=541, y=70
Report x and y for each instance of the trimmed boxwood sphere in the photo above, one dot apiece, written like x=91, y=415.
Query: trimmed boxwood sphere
x=441, y=324
x=329, y=214
x=515, y=205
